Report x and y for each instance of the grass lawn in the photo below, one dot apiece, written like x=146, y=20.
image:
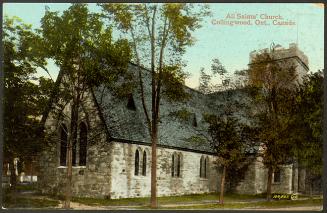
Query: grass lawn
x=262, y=204
x=26, y=187
x=164, y=200
x=25, y=202
x=199, y=201
x=232, y=201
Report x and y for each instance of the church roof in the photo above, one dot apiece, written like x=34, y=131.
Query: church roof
x=130, y=125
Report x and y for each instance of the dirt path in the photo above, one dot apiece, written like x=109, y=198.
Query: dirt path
x=297, y=208
x=80, y=206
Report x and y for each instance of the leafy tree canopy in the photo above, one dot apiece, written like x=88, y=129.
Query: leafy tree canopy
x=24, y=94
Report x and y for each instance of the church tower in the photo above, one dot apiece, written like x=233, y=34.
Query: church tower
x=289, y=56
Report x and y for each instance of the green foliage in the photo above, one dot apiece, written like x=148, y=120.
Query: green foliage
x=217, y=67
x=173, y=78
x=307, y=123
x=85, y=49
x=159, y=35
x=273, y=92
x=205, y=79
x=225, y=138
x=24, y=94
x=271, y=75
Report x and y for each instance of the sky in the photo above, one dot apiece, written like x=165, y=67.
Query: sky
x=230, y=44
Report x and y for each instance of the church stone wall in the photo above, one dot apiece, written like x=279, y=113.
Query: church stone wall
x=285, y=185
x=92, y=180
x=255, y=181
x=126, y=184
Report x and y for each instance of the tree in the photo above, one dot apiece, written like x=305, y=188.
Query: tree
x=225, y=133
x=24, y=94
x=228, y=136
x=306, y=126
x=204, y=85
x=157, y=31
x=273, y=91
x=87, y=56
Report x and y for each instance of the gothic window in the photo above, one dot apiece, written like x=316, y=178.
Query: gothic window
x=173, y=166
x=277, y=175
x=82, y=144
x=137, y=162
x=179, y=165
x=63, y=145
x=144, y=164
x=201, y=167
x=131, y=103
x=176, y=165
x=206, y=167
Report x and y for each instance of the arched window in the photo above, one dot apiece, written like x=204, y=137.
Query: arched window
x=137, y=162
x=173, y=165
x=82, y=144
x=179, y=158
x=63, y=145
x=201, y=167
x=144, y=164
x=277, y=175
x=204, y=166
x=176, y=165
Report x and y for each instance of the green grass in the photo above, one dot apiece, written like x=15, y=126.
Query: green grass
x=13, y=199
x=232, y=201
x=24, y=202
x=26, y=187
x=308, y=196
x=163, y=200
x=261, y=204
x=110, y=202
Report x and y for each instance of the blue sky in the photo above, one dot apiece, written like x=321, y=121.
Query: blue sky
x=231, y=44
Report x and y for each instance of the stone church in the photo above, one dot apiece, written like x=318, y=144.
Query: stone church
x=112, y=156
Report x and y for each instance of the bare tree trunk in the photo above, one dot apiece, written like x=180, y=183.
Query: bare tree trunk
x=154, y=130
x=222, y=186
x=71, y=143
x=154, y=139
x=269, y=182
x=32, y=171
x=69, y=176
x=13, y=177
x=310, y=187
x=13, y=181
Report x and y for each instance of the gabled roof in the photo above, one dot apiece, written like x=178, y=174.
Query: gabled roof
x=130, y=125
x=126, y=125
